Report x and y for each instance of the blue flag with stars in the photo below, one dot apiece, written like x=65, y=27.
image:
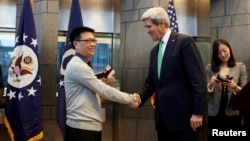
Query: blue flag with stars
x=75, y=20
x=23, y=101
x=172, y=16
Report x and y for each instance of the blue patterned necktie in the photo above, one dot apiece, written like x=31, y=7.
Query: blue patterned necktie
x=159, y=59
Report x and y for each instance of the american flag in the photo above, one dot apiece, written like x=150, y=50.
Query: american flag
x=75, y=20
x=172, y=16
x=23, y=101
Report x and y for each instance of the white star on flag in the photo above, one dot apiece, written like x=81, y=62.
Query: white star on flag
x=17, y=38
x=24, y=37
x=31, y=91
x=11, y=95
x=34, y=42
x=20, y=96
x=39, y=80
x=61, y=83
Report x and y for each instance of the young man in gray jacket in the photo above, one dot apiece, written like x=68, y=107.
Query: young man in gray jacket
x=82, y=89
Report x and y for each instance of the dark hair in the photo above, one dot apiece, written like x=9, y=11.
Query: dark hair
x=76, y=33
x=215, y=61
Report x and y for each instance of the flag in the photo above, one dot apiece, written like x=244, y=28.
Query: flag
x=23, y=99
x=172, y=16
x=75, y=20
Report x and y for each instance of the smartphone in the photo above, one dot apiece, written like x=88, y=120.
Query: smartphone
x=223, y=78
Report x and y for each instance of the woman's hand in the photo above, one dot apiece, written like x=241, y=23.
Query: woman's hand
x=212, y=81
x=230, y=83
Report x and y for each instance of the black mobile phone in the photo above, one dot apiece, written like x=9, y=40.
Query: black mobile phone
x=223, y=78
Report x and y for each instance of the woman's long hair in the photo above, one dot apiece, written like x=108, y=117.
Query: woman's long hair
x=215, y=60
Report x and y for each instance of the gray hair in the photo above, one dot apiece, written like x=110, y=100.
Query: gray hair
x=156, y=14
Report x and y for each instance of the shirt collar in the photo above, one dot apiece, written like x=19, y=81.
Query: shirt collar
x=166, y=36
x=84, y=59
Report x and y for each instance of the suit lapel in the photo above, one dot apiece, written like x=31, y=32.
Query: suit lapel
x=168, y=51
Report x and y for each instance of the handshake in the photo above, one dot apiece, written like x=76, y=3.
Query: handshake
x=137, y=101
x=110, y=81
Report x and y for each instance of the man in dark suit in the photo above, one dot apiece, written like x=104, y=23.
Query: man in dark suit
x=179, y=81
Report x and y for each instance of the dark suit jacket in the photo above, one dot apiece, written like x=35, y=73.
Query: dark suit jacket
x=241, y=101
x=181, y=90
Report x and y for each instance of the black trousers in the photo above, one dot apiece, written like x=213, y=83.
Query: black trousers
x=73, y=134
x=178, y=135
x=185, y=135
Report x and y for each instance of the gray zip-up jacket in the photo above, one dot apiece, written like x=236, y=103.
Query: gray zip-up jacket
x=83, y=109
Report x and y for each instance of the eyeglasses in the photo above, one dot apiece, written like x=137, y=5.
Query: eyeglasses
x=89, y=41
